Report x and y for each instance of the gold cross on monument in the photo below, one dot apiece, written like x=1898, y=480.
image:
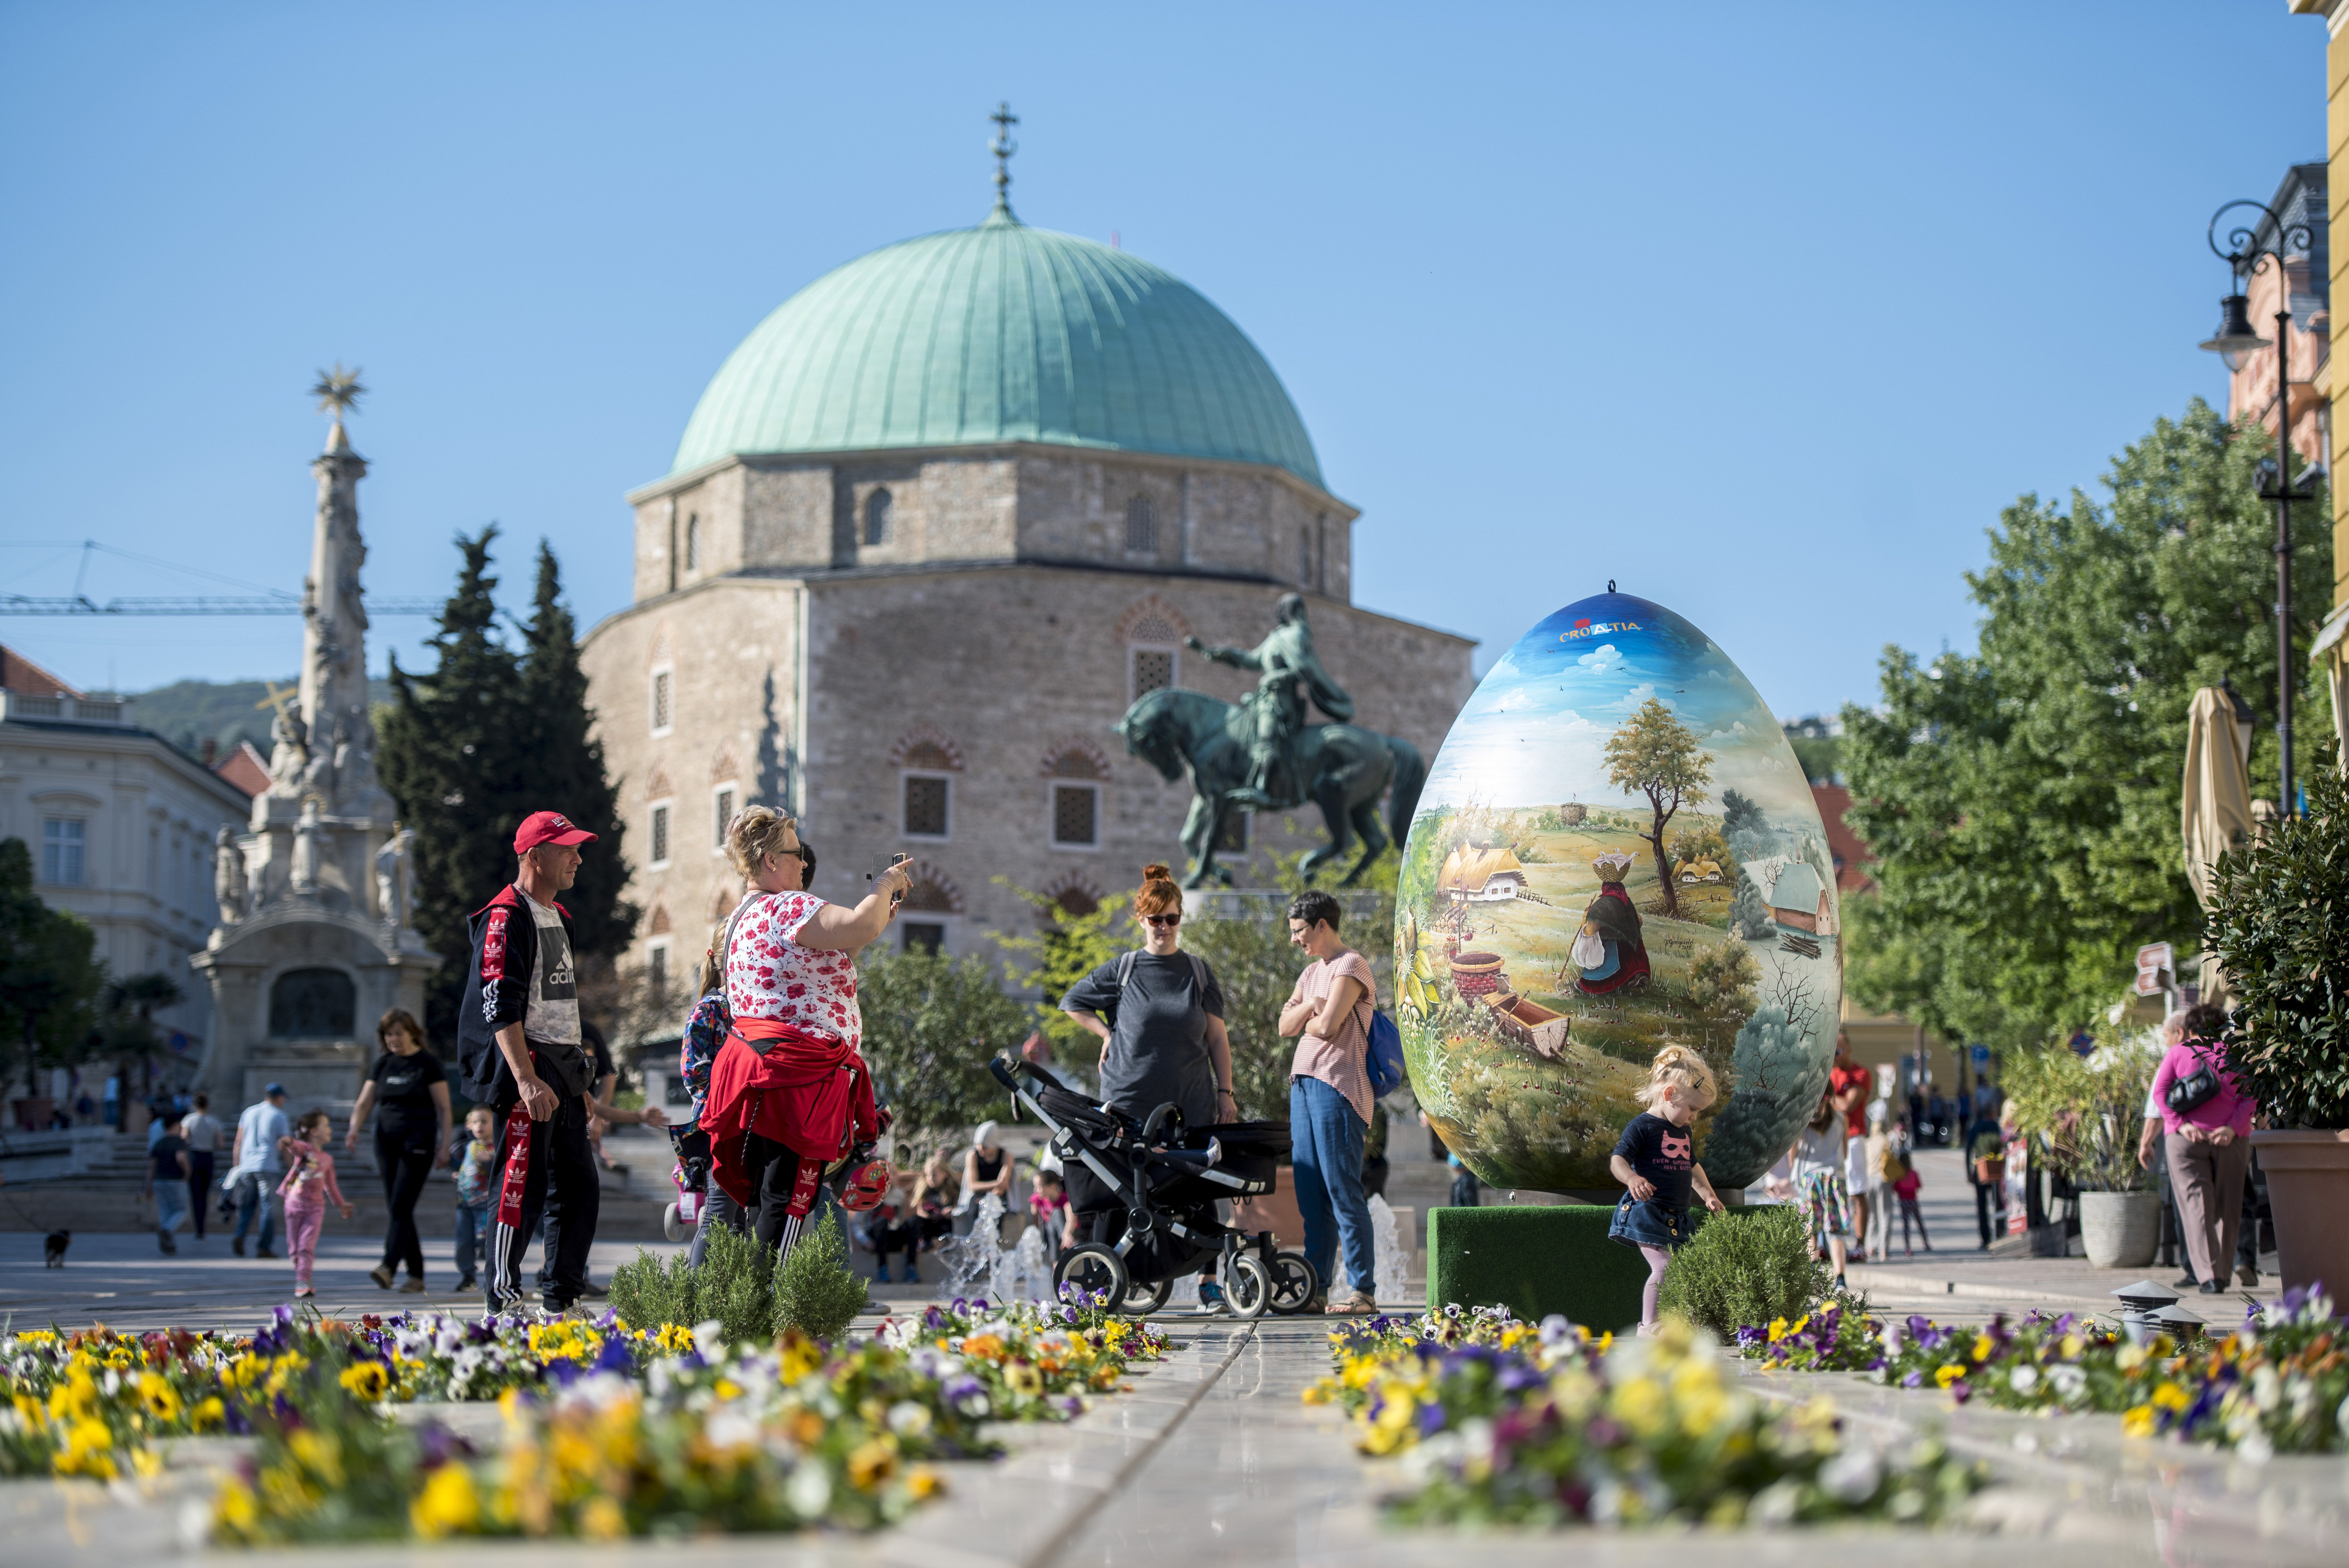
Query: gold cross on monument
x=276, y=698
x=1003, y=147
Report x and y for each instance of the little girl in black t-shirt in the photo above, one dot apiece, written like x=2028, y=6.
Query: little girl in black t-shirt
x=1656, y=1160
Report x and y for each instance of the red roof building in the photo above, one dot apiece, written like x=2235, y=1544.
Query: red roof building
x=245, y=767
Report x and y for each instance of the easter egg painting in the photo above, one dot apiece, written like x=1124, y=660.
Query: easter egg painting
x=1615, y=851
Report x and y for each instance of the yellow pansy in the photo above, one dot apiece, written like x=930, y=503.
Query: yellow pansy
x=2172, y=1396
x=1944, y=1376
x=367, y=1379
x=2137, y=1421
x=448, y=1505
x=872, y=1463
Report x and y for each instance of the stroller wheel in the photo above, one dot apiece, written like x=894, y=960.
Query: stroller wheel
x=1095, y=1271
x=1143, y=1299
x=1249, y=1288
x=670, y=1226
x=1295, y=1283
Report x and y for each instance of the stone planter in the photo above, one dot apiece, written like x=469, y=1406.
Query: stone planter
x=2120, y=1230
x=2308, y=1184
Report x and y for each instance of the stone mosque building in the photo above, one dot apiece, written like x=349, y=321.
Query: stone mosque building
x=932, y=527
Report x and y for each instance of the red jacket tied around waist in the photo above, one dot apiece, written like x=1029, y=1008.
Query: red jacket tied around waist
x=812, y=1094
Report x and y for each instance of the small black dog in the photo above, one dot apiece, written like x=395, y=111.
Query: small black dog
x=52, y=1248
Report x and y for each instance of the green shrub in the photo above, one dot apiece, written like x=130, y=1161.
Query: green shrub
x=817, y=1294
x=1744, y=1266
x=2276, y=923
x=735, y=1285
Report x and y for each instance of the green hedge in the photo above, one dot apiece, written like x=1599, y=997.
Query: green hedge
x=1535, y=1262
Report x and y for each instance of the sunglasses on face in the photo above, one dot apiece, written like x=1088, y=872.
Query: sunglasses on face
x=1163, y=919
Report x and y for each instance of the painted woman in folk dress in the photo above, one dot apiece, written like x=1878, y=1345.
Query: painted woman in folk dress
x=1608, y=953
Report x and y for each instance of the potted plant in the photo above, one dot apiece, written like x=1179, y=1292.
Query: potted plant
x=1988, y=1152
x=2276, y=923
x=2088, y=1110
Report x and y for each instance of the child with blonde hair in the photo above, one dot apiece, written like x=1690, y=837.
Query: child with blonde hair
x=1656, y=1161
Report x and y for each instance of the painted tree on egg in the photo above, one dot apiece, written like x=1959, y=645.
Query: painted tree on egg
x=1658, y=756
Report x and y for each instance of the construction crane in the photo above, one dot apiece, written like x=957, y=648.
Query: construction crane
x=269, y=601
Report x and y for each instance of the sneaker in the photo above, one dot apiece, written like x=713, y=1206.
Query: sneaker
x=164, y=1240
x=468, y=1283
x=591, y=1291
x=1211, y=1297
x=236, y=1245
x=302, y=1292
x=883, y=1277
x=1648, y=1330
x=1353, y=1304
x=413, y=1287
x=381, y=1274
x=2247, y=1275
x=2213, y=1288
x=262, y=1253
x=2187, y=1283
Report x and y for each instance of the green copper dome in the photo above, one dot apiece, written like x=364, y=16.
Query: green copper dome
x=1000, y=333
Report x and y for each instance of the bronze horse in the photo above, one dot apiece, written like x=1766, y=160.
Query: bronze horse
x=1341, y=768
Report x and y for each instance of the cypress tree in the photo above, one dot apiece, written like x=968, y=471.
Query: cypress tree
x=565, y=766
x=451, y=753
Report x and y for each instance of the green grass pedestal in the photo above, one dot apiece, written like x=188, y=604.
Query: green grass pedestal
x=1535, y=1260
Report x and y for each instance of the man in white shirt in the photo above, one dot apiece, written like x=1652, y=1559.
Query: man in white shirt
x=201, y=1129
x=252, y=1175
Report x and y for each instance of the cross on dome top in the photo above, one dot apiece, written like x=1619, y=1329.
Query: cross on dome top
x=1003, y=147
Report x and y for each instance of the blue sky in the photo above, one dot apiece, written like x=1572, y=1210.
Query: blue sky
x=1763, y=311
x=1535, y=731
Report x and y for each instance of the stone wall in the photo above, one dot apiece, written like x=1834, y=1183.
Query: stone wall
x=986, y=677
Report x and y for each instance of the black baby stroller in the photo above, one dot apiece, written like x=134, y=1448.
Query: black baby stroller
x=1146, y=1193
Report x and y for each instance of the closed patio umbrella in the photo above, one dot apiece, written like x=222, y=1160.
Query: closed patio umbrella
x=2216, y=814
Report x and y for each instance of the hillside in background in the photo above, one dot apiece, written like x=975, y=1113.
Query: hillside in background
x=189, y=713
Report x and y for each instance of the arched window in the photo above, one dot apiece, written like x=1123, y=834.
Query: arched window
x=1152, y=647
x=876, y=516
x=693, y=542
x=1140, y=527
x=313, y=1005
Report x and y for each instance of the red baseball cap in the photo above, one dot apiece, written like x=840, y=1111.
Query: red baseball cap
x=548, y=828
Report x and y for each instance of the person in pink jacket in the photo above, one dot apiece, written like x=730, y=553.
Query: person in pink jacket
x=309, y=1186
x=2208, y=1144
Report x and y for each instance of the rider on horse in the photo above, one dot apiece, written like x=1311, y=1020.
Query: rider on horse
x=1283, y=659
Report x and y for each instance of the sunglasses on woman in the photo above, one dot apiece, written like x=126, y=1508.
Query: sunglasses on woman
x=1163, y=921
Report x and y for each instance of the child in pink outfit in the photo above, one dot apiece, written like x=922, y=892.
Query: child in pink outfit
x=309, y=1186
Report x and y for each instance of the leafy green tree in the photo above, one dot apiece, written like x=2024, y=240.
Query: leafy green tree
x=563, y=763
x=931, y=1026
x=1068, y=946
x=490, y=735
x=49, y=977
x=126, y=1033
x=1655, y=754
x=2023, y=802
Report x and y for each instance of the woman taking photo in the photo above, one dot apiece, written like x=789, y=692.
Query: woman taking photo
x=1168, y=1042
x=408, y=1093
x=789, y=1093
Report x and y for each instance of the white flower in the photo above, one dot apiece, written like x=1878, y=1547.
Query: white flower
x=709, y=1339
x=908, y=1420
x=1555, y=1329
x=809, y=1491
x=1850, y=1477
x=2069, y=1382
x=2024, y=1378
x=1773, y=1505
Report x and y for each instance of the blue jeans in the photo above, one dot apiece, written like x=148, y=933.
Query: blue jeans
x=472, y=1231
x=254, y=1190
x=1325, y=1142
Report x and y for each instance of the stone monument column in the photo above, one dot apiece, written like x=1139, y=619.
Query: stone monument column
x=323, y=946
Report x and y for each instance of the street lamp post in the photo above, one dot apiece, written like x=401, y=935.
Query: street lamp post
x=2246, y=256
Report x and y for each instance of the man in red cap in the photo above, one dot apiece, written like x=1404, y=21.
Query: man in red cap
x=521, y=1054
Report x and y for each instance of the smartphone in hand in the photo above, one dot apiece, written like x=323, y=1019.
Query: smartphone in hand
x=882, y=863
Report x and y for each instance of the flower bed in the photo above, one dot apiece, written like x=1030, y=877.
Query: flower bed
x=1499, y=1422
x=609, y=1431
x=2279, y=1384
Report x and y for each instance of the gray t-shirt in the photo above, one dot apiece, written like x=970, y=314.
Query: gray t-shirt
x=1158, y=1045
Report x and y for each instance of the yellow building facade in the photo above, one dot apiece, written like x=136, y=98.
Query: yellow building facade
x=2331, y=650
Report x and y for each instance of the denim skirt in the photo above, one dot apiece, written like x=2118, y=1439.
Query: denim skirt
x=1648, y=1225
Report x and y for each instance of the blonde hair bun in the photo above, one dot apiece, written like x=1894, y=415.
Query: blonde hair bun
x=1676, y=1067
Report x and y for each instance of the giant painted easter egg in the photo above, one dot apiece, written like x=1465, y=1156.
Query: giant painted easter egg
x=1616, y=850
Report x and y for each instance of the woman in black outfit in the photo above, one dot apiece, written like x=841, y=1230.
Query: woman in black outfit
x=409, y=1092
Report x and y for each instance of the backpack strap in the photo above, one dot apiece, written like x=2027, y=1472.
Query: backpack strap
x=1125, y=962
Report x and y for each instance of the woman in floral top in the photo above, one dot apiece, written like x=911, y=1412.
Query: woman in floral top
x=790, y=1094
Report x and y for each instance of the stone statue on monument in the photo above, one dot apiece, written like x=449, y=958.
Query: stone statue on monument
x=307, y=833
x=391, y=876
x=228, y=876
